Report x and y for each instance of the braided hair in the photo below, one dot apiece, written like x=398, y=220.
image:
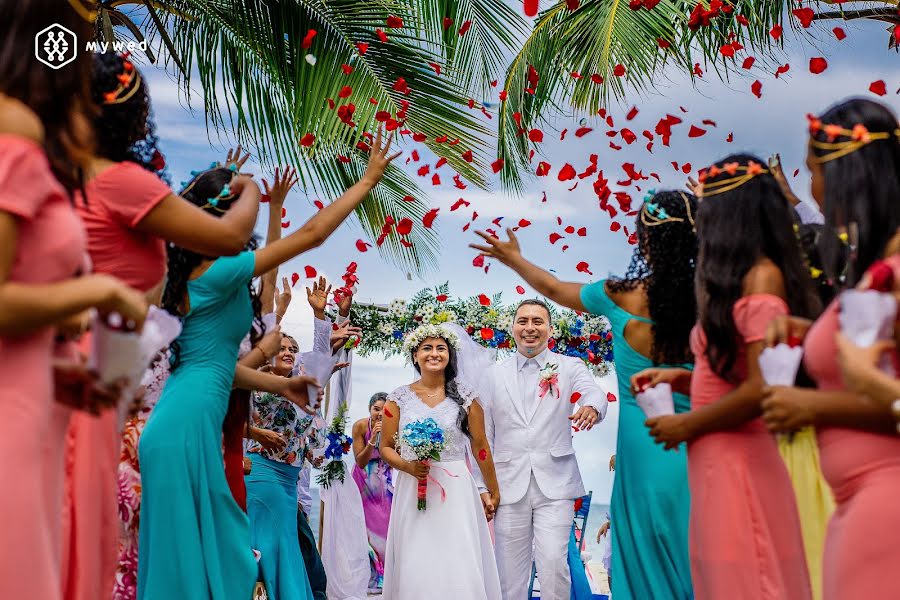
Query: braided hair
x=451, y=388
x=182, y=262
x=124, y=131
x=663, y=265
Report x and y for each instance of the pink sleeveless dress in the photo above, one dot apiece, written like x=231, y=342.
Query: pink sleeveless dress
x=744, y=534
x=862, y=546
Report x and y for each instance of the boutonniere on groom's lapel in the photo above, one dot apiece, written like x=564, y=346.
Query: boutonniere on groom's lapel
x=549, y=379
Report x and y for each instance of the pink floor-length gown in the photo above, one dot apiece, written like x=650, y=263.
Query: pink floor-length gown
x=377, y=490
x=49, y=248
x=862, y=546
x=744, y=537
x=117, y=199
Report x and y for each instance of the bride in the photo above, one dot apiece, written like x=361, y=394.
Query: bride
x=445, y=550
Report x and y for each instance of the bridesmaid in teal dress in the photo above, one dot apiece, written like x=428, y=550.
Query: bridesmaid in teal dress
x=651, y=311
x=194, y=538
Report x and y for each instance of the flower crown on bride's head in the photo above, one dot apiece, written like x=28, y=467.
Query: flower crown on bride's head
x=422, y=333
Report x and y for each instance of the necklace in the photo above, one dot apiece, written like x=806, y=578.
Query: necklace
x=439, y=390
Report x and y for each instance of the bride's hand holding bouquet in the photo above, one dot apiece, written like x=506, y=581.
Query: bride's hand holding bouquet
x=426, y=440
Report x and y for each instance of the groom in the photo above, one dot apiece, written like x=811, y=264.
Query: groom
x=529, y=425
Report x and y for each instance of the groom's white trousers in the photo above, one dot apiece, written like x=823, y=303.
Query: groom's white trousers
x=534, y=528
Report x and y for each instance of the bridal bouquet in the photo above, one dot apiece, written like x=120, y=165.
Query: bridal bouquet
x=426, y=440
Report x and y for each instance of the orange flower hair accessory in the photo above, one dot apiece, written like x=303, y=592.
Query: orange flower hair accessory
x=855, y=138
x=739, y=175
x=129, y=82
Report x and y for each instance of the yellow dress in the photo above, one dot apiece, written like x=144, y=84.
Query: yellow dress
x=815, y=502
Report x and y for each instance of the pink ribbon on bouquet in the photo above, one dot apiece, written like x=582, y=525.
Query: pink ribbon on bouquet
x=438, y=483
x=546, y=385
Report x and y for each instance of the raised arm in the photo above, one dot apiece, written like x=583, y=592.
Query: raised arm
x=277, y=193
x=548, y=285
x=314, y=232
x=181, y=222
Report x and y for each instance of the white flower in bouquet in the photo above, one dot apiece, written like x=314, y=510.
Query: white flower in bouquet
x=386, y=329
x=504, y=322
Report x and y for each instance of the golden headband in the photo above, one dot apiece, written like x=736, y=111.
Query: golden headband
x=652, y=214
x=739, y=176
x=129, y=82
x=857, y=137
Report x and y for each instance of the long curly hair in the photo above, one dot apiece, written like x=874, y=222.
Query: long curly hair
x=182, y=262
x=735, y=230
x=125, y=131
x=60, y=97
x=451, y=389
x=862, y=187
x=663, y=266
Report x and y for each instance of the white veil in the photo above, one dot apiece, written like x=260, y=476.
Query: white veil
x=473, y=362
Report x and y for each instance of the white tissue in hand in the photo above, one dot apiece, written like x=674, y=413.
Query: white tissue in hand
x=656, y=401
x=867, y=316
x=114, y=354
x=318, y=365
x=119, y=355
x=779, y=365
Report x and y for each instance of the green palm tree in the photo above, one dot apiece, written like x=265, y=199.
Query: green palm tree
x=263, y=75
x=570, y=42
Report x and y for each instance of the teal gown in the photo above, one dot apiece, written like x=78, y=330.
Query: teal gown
x=194, y=538
x=650, y=504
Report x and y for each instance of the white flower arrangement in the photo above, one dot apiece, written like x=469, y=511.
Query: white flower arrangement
x=418, y=335
x=397, y=307
x=427, y=313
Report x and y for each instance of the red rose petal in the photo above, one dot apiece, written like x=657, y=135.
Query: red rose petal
x=610, y=397
x=520, y=289
x=817, y=65
x=879, y=88
x=309, y=271
x=295, y=277
x=575, y=397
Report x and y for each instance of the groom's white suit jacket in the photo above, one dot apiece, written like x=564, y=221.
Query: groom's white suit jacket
x=542, y=444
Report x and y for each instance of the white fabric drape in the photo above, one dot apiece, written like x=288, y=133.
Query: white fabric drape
x=345, y=547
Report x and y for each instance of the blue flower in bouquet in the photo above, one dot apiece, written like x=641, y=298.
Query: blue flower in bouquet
x=398, y=335
x=425, y=439
x=338, y=445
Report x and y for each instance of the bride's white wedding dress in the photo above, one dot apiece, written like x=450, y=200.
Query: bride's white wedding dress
x=445, y=551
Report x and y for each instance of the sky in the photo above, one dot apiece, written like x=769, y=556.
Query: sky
x=774, y=123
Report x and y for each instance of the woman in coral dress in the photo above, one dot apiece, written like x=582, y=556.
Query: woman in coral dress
x=856, y=178
x=745, y=539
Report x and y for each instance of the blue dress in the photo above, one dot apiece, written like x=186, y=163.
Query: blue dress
x=194, y=538
x=650, y=504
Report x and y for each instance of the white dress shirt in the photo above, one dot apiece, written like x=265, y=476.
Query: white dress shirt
x=529, y=376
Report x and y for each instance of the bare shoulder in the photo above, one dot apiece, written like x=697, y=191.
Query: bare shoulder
x=764, y=278
x=359, y=426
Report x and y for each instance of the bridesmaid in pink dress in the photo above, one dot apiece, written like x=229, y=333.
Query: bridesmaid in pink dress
x=745, y=540
x=858, y=445
x=129, y=213
x=41, y=250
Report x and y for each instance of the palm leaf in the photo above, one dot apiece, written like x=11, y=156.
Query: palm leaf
x=603, y=34
x=248, y=60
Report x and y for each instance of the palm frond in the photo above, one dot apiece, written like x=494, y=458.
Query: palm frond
x=479, y=56
x=577, y=54
x=258, y=82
